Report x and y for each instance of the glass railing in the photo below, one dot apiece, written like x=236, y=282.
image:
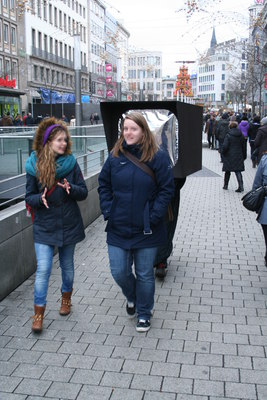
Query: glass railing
x=89, y=149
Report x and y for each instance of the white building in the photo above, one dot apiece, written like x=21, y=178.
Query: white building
x=48, y=62
x=168, y=87
x=224, y=66
x=145, y=68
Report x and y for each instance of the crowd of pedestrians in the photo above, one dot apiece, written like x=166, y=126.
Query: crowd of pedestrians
x=230, y=133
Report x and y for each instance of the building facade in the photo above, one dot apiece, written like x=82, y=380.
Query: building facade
x=9, y=59
x=145, y=75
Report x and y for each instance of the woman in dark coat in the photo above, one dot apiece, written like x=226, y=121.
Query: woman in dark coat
x=54, y=185
x=252, y=133
x=135, y=205
x=261, y=139
x=234, y=152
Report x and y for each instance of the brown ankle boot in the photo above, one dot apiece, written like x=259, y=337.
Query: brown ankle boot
x=37, y=324
x=65, y=303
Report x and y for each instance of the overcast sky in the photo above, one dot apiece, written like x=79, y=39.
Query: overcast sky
x=180, y=36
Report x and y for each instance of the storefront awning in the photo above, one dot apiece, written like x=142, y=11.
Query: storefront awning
x=10, y=92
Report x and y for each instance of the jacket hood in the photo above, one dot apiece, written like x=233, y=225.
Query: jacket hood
x=235, y=132
x=244, y=123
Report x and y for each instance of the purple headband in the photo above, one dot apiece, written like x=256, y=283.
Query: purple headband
x=49, y=130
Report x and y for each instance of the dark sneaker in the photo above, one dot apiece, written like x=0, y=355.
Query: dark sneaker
x=143, y=325
x=130, y=309
x=161, y=270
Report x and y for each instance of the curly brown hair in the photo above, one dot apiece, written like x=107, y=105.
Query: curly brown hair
x=148, y=143
x=46, y=162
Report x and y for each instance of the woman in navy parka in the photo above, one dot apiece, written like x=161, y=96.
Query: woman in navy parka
x=54, y=185
x=135, y=207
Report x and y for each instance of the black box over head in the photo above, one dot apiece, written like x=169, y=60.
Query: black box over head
x=185, y=141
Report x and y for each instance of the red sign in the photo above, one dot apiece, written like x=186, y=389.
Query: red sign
x=108, y=67
x=109, y=79
x=8, y=83
x=109, y=93
x=265, y=81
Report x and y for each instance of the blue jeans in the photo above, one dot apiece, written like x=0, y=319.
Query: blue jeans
x=44, y=255
x=138, y=288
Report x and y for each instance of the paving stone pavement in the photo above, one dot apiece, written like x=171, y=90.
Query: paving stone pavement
x=208, y=339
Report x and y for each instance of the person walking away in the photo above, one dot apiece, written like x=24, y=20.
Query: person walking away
x=234, y=153
x=134, y=201
x=221, y=131
x=92, y=119
x=261, y=139
x=244, y=126
x=54, y=184
x=259, y=180
x=252, y=133
x=210, y=130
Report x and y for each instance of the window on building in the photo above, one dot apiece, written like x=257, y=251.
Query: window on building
x=56, y=47
x=222, y=96
x=223, y=77
x=243, y=66
x=45, y=10
x=42, y=74
x=60, y=19
x=51, y=45
x=65, y=51
x=45, y=43
x=33, y=38
x=223, y=86
x=58, y=77
x=1, y=67
x=6, y=33
x=4, y=2
x=47, y=77
x=67, y=80
x=40, y=40
x=223, y=67
x=35, y=72
x=12, y=5
x=69, y=25
x=53, y=77
x=50, y=14
x=39, y=13
x=14, y=70
x=65, y=23
x=55, y=16
x=13, y=36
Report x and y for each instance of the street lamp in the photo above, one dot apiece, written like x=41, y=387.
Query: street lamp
x=77, y=68
x=119, y=79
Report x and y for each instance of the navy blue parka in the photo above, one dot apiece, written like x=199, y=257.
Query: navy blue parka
x=61, y=223
x=132, y=203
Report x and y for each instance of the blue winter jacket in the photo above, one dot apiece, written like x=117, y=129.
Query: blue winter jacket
x=261, y=179
x=61, y=223
x=132, y=202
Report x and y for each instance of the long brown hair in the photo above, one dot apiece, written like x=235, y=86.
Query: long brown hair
x=148, y=143
x=46, y=162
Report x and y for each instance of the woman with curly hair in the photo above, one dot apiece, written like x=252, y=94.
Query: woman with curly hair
x=53, y=187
